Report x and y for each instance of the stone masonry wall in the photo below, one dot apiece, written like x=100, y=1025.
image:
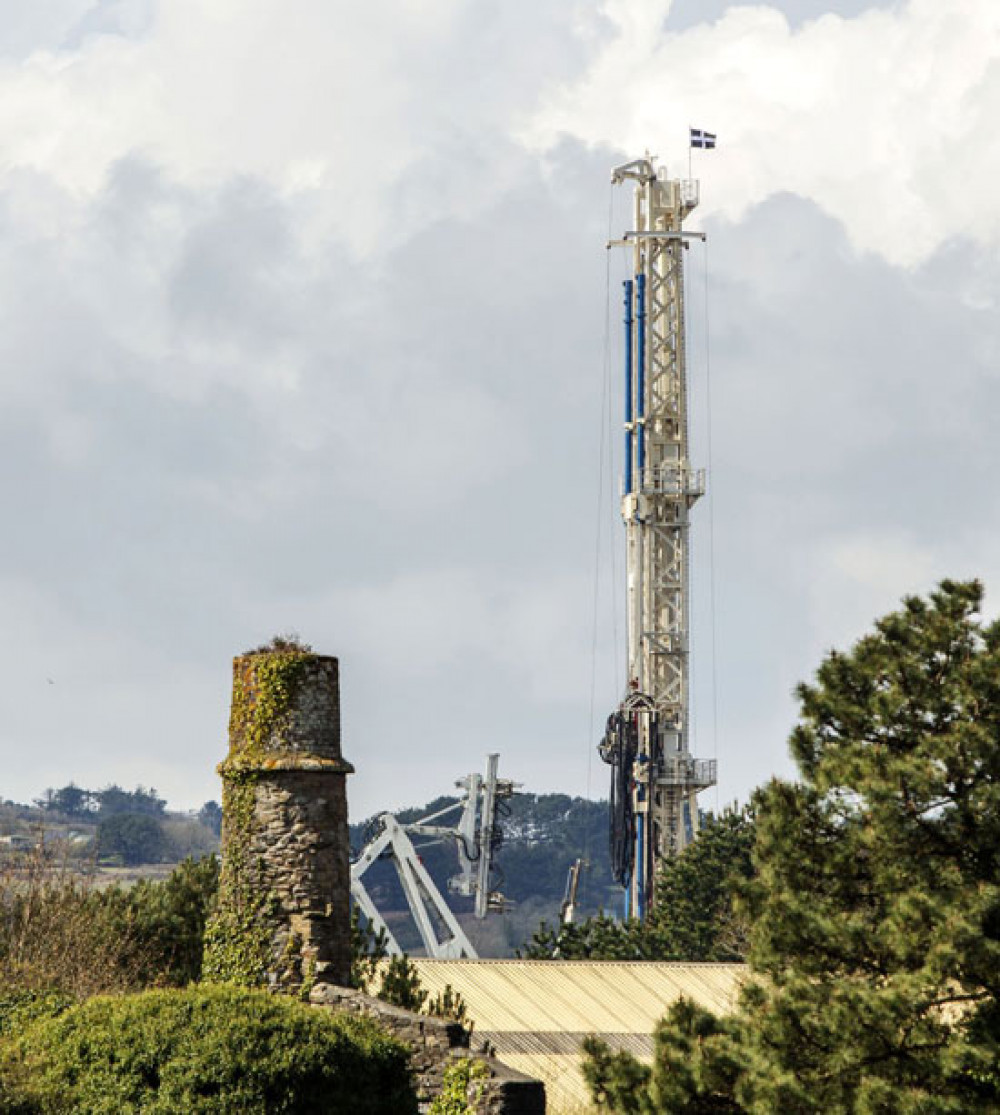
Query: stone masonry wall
x=299, y=832
x=437, y=1043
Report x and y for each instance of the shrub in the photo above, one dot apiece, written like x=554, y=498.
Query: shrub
x=449, y=1004
x=165, y=921
x=188, y=836
x=401, y=984
x=462, y=1088
x=20, y=1008
x=368, y=949
x=58, y=931
x=203, y=1051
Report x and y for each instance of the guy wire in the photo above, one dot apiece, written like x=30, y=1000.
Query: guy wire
x=713, y=623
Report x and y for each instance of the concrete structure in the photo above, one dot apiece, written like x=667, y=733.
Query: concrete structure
x=284, y=902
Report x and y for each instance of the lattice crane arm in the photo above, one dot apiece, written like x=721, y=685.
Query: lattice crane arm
x=476, y=837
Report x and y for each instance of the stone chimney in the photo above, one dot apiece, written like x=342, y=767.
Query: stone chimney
x=283, y=916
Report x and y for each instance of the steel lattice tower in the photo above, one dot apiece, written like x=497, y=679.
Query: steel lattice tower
x=656, y=780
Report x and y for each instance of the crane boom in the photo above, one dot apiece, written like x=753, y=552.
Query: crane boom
x=655, y=780
x=477, y=835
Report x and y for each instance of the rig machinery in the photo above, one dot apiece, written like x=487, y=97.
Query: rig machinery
x=477, y=836
x=655, y=779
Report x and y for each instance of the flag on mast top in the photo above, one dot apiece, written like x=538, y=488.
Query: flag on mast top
x=700, y=138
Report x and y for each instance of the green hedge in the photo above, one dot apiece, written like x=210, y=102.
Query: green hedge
x=19, y=1008
x=203, y=1051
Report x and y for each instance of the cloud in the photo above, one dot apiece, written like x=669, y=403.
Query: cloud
x=852, y=454
x=295, y=332
x=884, y=120
x=212, y=433
x=376, y=121
x=25, y=28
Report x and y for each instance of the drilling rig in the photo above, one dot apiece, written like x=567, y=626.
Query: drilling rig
x=655, y=780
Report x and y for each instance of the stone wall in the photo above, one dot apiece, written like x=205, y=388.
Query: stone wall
x=437, y=1043
x=283, y=918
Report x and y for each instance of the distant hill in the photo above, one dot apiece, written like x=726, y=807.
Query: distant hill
x=113, y=825
x=542, y=836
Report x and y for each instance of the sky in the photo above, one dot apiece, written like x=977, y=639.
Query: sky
x=307, y=324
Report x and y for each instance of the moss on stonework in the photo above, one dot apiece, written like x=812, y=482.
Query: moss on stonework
x=264, y=690
x=238, y=945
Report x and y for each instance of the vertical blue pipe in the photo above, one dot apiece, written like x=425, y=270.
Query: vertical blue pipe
x=628, y=385
x=640, y=867
x=641, y=373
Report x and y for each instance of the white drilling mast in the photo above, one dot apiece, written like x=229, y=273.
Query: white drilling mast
x=655, y=779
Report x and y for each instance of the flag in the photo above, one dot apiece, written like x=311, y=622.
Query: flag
x=702, y=139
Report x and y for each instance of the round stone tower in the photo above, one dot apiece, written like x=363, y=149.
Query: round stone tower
x=283, y=916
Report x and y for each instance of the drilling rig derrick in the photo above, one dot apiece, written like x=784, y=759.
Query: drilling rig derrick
x=655, y=780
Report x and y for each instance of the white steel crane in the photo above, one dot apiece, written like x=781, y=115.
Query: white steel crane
x=477, y=836
x=655, y=779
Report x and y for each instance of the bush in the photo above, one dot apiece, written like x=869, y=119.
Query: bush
x=20, y=1008
x=401, y=985
x=202, y=1051
x=186, y=837
x=462, y=1088
x=165, y=922
x=58, y=932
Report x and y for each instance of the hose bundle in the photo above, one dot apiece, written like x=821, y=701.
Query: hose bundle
x=618, y=748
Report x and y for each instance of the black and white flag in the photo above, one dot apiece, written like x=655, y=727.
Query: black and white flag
x=702, y=139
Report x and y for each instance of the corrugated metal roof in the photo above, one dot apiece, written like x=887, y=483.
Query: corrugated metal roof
x=536, y=1012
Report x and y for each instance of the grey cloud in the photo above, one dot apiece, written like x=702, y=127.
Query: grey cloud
x=423, y=478
x=195, y=521
x=685, y=14
x=63, y=25
x=851, y=403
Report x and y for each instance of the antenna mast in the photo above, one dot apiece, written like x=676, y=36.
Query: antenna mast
x=655, y=780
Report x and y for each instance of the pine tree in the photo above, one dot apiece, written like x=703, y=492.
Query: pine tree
x=692, y=917
x=874, y=908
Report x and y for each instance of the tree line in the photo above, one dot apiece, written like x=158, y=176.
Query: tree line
x=74, y=801
x=130, y=827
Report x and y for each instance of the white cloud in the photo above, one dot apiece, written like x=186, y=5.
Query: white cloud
x=295, y=333
x=886, y=120
x=346, y=109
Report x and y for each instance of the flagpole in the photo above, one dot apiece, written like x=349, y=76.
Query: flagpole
x=690, y=145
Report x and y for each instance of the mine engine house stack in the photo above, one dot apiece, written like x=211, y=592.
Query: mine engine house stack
x=283, y=918
x=655, y=779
